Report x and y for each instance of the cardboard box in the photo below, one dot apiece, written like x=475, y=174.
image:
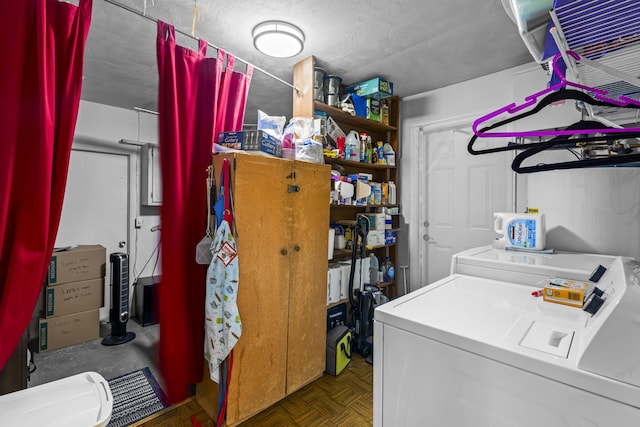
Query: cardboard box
x=567, y=292
x=254, y=140
x=82, y=262
x=375, y=88
x=239, y=140
x=373, y=110
x=73, y=297
x=62, y=331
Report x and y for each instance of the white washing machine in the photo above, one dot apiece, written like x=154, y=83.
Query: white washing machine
x=477, y=351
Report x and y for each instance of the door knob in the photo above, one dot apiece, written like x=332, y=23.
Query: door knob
x=122, y=244
x=296, y=248
x=284, y=251
x=428, y=239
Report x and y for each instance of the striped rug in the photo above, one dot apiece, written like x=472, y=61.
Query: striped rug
x=136, y=396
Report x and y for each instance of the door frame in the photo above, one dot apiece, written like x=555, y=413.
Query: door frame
x=418, y=212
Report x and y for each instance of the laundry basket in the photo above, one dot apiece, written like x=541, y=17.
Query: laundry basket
x=81, y=400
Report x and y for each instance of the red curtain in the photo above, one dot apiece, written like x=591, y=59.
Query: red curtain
x=190, y=88
x=40, y=84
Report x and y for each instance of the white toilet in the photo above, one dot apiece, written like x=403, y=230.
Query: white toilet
x=82, y=400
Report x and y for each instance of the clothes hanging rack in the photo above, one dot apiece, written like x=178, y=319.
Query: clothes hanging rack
x=606, y=35
x=144, y=15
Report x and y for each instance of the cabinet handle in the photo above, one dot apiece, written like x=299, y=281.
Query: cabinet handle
x=284, y=251
x=297, y=248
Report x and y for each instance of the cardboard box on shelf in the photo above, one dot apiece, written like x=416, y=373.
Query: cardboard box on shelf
x=62, y=331
x=375, y=88
x=73, y=297
x=373, y=109
x=77, y=263
x=254, y=140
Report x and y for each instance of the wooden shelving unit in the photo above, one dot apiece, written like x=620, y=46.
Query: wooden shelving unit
x=305, y=105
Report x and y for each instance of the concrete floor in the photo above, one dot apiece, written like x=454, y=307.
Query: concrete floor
x=108, y=361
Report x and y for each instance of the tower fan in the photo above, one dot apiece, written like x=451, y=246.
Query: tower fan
x=119, y=313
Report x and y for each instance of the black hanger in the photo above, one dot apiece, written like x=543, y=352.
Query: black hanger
x=561, y=94
x=566, y=141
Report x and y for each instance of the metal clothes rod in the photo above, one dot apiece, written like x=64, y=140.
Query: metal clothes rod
x=137, y=12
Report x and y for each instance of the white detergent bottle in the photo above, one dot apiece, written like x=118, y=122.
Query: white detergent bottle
x=519, y=230
x=353, y=141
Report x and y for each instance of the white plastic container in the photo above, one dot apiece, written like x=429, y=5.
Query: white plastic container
x=519, y=230
x=353, y=142
x=389, y=154
x=82, y=400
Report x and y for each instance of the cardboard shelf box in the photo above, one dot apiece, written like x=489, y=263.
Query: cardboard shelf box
x=70, y=329
x=73, y=297
x=82, y=262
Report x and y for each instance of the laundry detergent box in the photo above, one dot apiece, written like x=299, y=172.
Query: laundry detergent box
x=76, y=263
x=567, y=291
x=374, y=88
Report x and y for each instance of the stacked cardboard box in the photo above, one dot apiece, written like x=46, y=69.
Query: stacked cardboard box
x=74, y=293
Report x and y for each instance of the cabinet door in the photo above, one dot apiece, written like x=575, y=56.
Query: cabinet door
x=262, y=214
x=308, y=286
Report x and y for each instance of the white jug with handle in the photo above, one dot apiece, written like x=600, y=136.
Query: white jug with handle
x=520, y=230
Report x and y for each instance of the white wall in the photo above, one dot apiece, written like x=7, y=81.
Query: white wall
x=593, y=210
x=100, y=128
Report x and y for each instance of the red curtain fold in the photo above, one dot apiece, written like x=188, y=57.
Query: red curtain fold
x=40, y=85
x=190, y=88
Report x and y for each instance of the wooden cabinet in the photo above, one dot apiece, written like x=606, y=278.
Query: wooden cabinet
x=281, y=213
x=305, y=105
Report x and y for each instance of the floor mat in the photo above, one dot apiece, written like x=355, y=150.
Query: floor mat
x=136, y=395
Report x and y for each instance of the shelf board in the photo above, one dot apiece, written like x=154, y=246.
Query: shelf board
x=335, y=304
x=381, y=285
x=351, y=163
x=357, y=121
x=363, y=206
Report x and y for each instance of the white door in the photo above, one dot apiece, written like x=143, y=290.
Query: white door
x=95, y=208
x=461, y=192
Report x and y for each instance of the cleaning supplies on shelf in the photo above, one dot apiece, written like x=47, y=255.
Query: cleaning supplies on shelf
x=392, y=193
x=390, y=273
x=519, y=230
x=381, y=160
x=352, y=146
x=389, y=154
x=373, y=269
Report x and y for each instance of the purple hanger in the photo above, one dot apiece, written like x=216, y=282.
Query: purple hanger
x=599, y=94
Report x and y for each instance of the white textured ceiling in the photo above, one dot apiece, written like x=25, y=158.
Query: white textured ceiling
x=419, y=45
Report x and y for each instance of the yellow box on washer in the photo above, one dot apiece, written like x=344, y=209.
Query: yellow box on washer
x=567, y=292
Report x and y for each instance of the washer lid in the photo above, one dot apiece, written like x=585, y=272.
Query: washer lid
x=560, y=264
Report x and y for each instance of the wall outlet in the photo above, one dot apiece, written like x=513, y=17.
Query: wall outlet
x=138, y=222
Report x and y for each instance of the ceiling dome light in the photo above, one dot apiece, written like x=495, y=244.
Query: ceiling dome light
x=278, y=39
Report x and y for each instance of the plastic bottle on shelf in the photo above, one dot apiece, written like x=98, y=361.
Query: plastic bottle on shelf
x=374, y=266
x=381, y=160
x=390, y=271
x=392, y=193
x=382, y=273
x=389, y=154
x=385, y=113
x=353, y=142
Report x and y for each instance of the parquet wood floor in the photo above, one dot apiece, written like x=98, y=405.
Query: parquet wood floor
x=345, y=400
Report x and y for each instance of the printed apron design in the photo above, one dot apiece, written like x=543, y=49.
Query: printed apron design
x=222, y=318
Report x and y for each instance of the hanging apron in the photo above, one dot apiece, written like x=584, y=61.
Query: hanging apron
x=222, y=319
